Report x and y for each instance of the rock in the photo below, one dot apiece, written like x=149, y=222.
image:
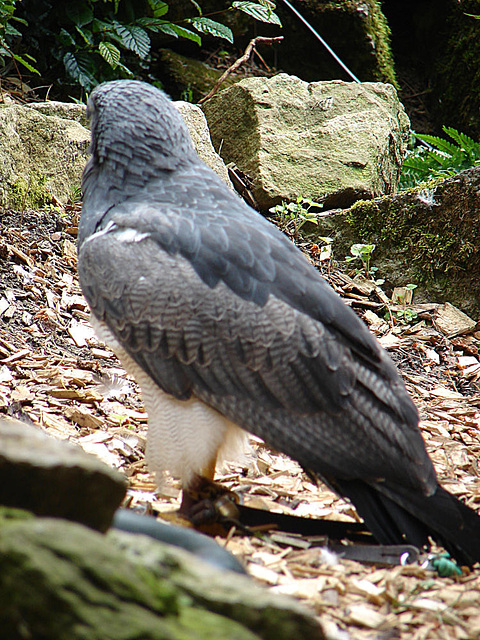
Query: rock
x=40, y=156
x=66, y=110
x=43, y=151
x=428, y=237
x=197, y=125
x=357, y=31
x=332, y=141
x=52, y=477
x=60, y=580
x=228, y=594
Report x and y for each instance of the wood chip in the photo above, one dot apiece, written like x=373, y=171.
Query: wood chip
x=365, y=616
x=83, y=417
x=453, y=322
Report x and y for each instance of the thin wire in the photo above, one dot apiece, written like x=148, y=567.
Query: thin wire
x=319, y=37
x=332, y=52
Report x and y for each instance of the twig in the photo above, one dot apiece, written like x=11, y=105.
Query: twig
x=248, y=52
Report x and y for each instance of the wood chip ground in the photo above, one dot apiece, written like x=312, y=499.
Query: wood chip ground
x=54, y=373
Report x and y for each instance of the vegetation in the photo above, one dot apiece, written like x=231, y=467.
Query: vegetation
x=91, y=41
x=292, y=216
x=439, y=158
x=8, y=32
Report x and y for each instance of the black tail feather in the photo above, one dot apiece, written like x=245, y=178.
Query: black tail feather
x=396, y=516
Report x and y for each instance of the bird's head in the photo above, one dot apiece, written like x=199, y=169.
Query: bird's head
x=136, y=131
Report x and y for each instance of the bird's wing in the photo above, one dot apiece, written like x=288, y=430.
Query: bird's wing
x=229, y=311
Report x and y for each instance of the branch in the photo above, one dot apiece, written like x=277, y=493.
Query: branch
x=238, y=63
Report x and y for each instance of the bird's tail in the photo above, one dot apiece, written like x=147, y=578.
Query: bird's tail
x=398, y=515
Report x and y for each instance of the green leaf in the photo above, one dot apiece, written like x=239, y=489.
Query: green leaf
x=258, y=11
x=86, y=35
x=186, y=33
x=205, y=25
x=65, y=39
x=110, y=53
x=439, y=143
x=80, y=13
x=167, y=27
x=11, y=31
x=466, y=142
x=158, y=7
x=77, y=67
x=133, y=38
x=25, y=63
x=100, y=26
x=171, y=29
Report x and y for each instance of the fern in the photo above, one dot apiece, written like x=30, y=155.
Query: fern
x=439, y=157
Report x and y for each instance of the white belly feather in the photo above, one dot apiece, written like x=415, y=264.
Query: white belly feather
x=184, y=436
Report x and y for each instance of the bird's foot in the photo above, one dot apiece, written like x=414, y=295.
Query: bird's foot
x=208, y=506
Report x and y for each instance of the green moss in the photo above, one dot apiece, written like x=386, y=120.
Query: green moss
x=435, y=242
x=380, y=32
x=7, y=514
x=402, y=224
x=31, y=194
x=363, y=36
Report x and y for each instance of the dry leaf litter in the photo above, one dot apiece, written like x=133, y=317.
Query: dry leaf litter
x=55, y=374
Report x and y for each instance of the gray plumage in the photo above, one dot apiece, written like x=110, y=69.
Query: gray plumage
x=216, y=310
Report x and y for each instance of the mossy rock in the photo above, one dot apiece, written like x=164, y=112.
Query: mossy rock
x=429, y=237
x=357, y=31
x=41, y=157
x=63, y=581
x=334, y=142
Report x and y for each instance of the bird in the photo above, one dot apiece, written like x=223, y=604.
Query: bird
x=229, y=329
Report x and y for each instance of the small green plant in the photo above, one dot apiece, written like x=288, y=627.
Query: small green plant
x=187, y=95
x=363, y=252
x=404, y=296
x=438, y=157
x=292, y=216
x=405, y=316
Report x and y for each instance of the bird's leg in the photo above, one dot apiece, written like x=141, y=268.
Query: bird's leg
x=206, y=503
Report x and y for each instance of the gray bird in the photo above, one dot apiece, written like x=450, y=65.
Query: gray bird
x=229, y=329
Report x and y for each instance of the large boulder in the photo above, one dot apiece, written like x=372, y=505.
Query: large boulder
x=54, y=478
x=333, y=141
x=44, y=148
x=60, y=581
x=40, y=156
x=198, y=128
x=68, y=110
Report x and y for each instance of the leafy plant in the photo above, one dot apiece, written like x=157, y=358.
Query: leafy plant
x=403, y=296
x=294, y=215
x=9, y=33
x=439, y=157
x=363, y=252
x=99, y=40
x=405, y=316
